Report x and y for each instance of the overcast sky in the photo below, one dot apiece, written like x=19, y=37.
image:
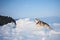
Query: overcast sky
x=30, y=8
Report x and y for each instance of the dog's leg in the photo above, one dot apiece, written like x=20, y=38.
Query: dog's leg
x=50, y=28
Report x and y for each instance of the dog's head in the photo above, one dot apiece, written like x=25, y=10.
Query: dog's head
x=36, y=20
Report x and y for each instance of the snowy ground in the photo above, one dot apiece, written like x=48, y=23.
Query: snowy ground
x=27, y=30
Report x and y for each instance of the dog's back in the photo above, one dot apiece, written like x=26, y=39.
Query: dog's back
x=6, y=20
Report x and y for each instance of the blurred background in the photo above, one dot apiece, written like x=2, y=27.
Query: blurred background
x=30, y=8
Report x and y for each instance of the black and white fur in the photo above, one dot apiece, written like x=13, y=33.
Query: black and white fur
x=42, y=24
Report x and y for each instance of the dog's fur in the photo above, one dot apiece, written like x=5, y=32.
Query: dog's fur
x=42, y=24
x=5, y=20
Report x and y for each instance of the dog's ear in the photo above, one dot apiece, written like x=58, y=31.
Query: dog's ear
x=37, y=19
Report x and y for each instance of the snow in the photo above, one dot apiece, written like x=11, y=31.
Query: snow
x=26, y=30
x=56, y=24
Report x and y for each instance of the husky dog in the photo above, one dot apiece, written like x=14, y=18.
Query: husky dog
x=42, y=24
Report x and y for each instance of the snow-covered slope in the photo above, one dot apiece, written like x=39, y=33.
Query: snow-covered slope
x=6, y=31
x=27, y=30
